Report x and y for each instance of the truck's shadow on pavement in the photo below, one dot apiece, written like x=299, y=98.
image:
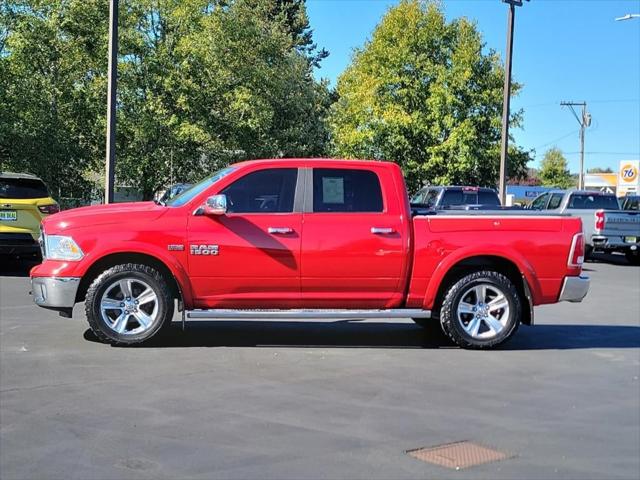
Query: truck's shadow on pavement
x=355, y=334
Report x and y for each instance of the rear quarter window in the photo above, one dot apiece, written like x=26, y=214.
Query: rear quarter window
x=22, y=188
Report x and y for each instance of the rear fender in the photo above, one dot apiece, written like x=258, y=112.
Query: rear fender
x=509, y=254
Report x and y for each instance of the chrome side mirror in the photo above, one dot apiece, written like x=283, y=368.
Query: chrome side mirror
x=215, y=205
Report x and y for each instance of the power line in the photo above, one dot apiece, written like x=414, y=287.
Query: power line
x=555, y=104
x=572, y=132
x=592, y=153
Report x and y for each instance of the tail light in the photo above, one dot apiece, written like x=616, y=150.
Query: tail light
x=576, y=254
x=49, y=209
x=599, y=219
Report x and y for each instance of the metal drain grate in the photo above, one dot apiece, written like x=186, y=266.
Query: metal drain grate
x=458, y=455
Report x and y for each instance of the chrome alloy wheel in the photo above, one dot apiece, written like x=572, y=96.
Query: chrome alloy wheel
x=129, y=306
x=483, y=311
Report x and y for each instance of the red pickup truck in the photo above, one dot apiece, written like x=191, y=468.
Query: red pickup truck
x=306, y=238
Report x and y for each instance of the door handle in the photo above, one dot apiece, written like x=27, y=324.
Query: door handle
x=279, y=230
x=382, y=230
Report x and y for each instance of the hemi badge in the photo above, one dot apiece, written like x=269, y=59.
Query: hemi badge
x=175, y=247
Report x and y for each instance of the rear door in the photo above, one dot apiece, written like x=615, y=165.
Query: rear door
x=353, y=244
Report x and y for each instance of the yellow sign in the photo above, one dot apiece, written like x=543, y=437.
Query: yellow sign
x=628, y=178
x=628, y=173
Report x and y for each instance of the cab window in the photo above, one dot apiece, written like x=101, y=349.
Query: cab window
x=540, y=202
x=580, y=201
x=453, y=197
x=264, y=191
x=556, y=200
x=344, y=190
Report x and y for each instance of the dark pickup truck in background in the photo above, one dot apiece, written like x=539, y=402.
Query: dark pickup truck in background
x=456, y=198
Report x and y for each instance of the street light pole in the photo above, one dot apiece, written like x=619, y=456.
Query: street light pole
x=504, y=144
x=112, y=88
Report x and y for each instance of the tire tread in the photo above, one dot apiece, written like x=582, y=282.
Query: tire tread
x=91, y=297
x=448, y=317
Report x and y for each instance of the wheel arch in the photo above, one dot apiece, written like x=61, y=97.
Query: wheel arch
x=463, y=266
x=112, y=259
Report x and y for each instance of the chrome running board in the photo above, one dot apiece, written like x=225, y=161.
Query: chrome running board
x=309, y=313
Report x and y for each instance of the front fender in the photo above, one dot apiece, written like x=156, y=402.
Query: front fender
x=174, y=261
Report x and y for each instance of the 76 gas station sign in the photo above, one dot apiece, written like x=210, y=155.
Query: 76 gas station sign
x=628, y=177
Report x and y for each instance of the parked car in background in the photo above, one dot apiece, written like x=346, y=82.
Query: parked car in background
x=172, y=191
x=455, y=198
x=24, y=202
x=607, y=227
x=307, y=239
x=631, y=202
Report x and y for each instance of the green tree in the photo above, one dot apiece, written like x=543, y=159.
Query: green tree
x=52, y=90
x=554, y=171
x=201, y=83
x=422, y=93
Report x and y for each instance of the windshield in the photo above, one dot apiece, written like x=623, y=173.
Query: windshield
x=189, y=194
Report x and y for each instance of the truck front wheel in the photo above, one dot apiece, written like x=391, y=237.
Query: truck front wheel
x=481, y=310
x=128, y=304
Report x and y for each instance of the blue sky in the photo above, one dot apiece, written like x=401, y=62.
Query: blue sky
x=563, y=50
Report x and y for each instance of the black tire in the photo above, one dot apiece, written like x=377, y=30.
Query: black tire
x=455, y=328
x=138, y=275
x=588, y=252
x=633, y=258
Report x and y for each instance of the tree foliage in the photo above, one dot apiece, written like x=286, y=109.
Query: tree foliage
x=201, y=84
x=423, y=93
x=554, y=171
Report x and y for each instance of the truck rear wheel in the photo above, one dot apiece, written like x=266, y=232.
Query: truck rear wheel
x=633, y=257
x=128, y=304
x=481, y=310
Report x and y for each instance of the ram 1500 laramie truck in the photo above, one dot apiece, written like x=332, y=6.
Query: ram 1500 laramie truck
x=306, y=238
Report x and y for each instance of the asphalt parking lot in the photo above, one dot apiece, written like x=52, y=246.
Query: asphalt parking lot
x=341, y=399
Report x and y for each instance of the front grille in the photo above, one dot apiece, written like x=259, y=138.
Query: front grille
x=16, y=239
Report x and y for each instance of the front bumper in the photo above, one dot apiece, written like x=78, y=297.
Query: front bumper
x=55, y=292
x=574, y=289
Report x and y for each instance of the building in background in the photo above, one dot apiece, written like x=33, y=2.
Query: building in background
x=524, y=194
x=602, y=182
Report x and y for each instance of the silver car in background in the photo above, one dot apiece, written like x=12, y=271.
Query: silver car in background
x=606, y=226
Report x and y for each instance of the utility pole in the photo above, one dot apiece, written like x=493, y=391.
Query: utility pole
x=112, y=88
x=584, y=120
x=504, y=145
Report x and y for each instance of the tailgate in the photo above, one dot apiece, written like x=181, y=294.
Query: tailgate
x=621, y=223
x=20, y=216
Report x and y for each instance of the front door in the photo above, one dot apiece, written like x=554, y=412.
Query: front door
x=354, y=249
x=250, y=257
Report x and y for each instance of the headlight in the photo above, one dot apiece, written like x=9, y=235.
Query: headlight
x=59, y=247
